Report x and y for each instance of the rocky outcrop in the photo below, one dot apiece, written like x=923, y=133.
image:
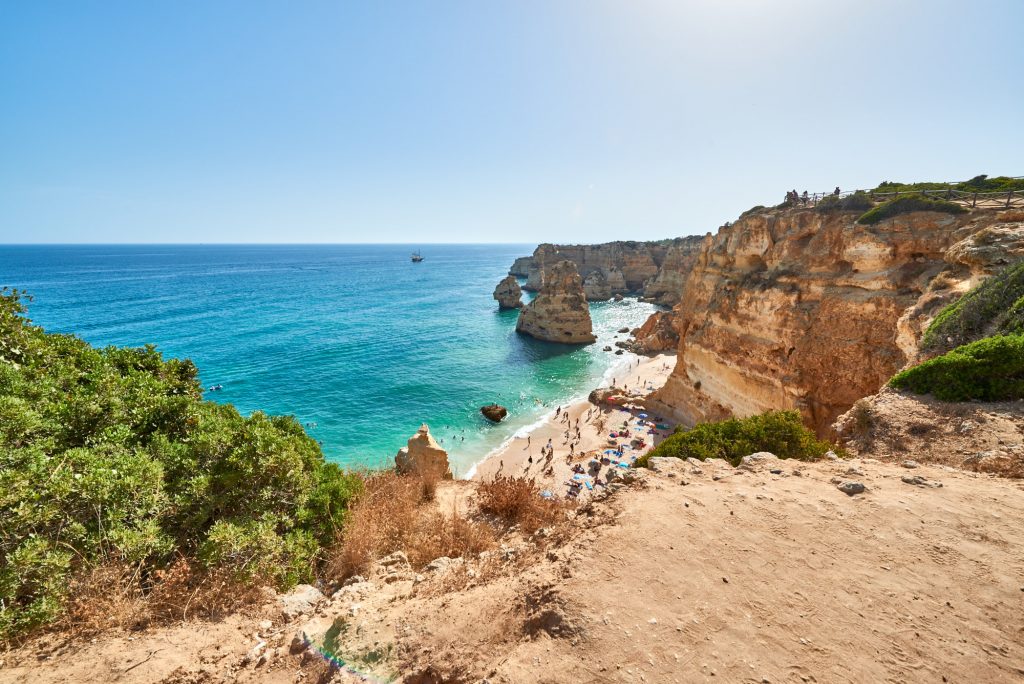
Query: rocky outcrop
x=494, y=412
x=798, y=309
x=521, y=267
x=914, y=430
x=626, y=265
x=508, y=293
x=559, y=312
x=423, y=454
x=657, y=334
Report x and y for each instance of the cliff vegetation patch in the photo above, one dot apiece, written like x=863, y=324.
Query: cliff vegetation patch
x=995, y=307
x=980, y=183
x=858, y=201
x=780, y=432
x=990, y=369
x=113, y=468
x=906, y=205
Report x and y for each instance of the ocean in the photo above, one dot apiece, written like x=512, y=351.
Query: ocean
x=356, y=341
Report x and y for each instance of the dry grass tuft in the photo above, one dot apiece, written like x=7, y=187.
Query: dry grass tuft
x=114, y=596
x=394, y=513
x=517, y=501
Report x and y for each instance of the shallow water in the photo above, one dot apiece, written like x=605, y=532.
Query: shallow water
x=355, y=340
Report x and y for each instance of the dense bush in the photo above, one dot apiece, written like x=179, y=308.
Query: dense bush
x=907, y=204
x=780, y=432
x=991, y=369
x=111, y=456
x=996, y=306
x=980, y=183
x=858, y=201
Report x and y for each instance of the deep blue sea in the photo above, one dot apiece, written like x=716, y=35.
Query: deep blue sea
x=356, y=341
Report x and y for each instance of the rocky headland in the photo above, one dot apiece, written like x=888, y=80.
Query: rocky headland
x=794, y=308
x=653, y=270
x=559, y=312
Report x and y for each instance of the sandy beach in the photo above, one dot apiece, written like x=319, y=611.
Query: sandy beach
x=523, y=455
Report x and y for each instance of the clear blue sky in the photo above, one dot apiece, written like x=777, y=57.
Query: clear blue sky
x=516, y=121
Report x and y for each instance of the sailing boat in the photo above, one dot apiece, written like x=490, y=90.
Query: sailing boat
x=417, y=257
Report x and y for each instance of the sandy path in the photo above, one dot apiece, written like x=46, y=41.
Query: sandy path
x=522, y=456
x=720, y=575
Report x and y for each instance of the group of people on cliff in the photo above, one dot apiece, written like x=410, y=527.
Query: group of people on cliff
x=792, y=197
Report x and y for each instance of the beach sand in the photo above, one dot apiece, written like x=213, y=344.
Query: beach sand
x=640, y=376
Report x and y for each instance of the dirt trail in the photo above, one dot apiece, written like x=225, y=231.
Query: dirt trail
x=738, y=575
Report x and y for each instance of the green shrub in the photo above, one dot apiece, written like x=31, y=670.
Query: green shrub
x=907, y=204
x=112, y=456
x=780, y=432
x=996, y=306
x=991, y=369
x=980, y=183
x=858, y=201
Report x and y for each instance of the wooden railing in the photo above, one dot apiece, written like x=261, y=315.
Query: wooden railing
x=975, y=200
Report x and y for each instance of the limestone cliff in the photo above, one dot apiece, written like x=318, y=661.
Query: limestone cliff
x=657, y=334
x=423, y=454
x=508, y=293
x=521, y=267
x=559, y=312
x=795, y=308
x=628, y=267
x=667, y=286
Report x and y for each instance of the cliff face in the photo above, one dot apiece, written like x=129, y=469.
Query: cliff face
x=626, y=266
x=806, y=310
x=667, y=286
x=521, y=267
x=559, y=312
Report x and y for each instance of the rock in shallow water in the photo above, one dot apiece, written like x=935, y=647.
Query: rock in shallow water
x=494, y=412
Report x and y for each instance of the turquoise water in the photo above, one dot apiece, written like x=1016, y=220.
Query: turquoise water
x=357, y=340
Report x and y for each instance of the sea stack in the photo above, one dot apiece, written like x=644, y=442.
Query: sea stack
x=508, y=293
x=559, y=312
x=423, y=454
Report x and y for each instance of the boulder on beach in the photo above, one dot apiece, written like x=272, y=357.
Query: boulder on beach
x=423, y=454
x=618, y=297
x=606, y=395
x=494, y=412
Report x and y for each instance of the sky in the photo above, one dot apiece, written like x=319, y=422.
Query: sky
x=483, y=121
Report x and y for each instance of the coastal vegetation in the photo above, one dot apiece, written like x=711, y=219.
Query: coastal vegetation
x=906, y=204
x=989, y=369
x=858, y=201
x=980, y=183
x=110, y=458
x=995, y=307
x=780, y=432
x=981, y=335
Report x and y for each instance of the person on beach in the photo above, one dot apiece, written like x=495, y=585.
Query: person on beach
x=558, y=411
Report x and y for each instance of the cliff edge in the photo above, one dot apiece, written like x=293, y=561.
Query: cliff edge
x=798, y=308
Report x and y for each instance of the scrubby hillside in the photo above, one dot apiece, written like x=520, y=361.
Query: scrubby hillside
x=766, y=572
x=114, y=472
